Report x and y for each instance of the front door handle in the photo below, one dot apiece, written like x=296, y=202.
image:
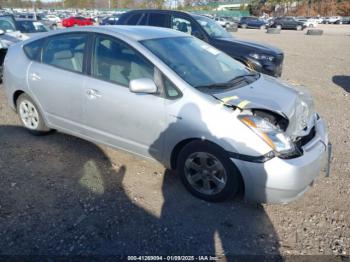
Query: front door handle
x=93, y=93
x=35, y=77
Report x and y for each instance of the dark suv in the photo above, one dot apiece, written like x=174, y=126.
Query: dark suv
x=252, y=22
x=288, y=23
x=262, y=58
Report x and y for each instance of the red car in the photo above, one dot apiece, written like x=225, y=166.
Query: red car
x=77, y=21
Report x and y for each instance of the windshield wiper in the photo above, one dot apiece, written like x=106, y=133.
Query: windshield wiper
x=245, y=77
x=216, y=85
x=233, y=82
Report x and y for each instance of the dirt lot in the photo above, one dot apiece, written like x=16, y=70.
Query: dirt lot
x=62, y=195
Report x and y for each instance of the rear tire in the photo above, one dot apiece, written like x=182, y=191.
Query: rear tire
x=207, y=172
x=244, y=26
x=299, y=28
x=279, y=27
x=30, y=115
x=263, y=27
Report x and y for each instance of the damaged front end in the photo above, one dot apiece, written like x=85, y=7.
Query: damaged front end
x=285, y=125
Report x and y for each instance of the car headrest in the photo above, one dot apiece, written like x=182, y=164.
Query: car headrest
x=65, y=54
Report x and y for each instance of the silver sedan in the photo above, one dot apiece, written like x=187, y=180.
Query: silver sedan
x=167, y=96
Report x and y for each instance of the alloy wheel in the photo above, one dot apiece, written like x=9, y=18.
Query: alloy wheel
x=205, y=173
x=29, y=114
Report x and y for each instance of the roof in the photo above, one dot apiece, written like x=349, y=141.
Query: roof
x=26, y=19
x=136, y=33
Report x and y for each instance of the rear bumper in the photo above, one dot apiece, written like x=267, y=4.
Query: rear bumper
x=284, y=180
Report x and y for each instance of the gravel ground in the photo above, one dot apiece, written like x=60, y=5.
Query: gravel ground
x=61, y=195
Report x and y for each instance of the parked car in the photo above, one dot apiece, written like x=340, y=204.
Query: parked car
x=9, y=35
x=110, y=20
x=47, y=22
x=25, y=15
x=252, y=22
x=308, y=22
x=319, y=20
x=225, y=127
x=52, y=24
x=262, y=58
x=53, y=18
x=333, y=20
x=288, y=23
x=346, y=20
x=28, y=26
x=222, y=21
x=232, y=19
x=76, y=21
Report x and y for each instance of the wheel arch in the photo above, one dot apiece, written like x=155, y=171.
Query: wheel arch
x=177, y=149
x=16, y=96
x=179, y=146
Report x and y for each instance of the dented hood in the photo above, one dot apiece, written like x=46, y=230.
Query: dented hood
x=274, y=95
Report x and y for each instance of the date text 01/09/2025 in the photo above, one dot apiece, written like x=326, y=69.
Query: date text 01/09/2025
x=172, y=258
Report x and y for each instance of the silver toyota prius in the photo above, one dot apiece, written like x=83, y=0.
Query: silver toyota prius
x=167, y=96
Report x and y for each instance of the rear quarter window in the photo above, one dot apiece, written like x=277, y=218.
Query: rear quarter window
x=33, y=50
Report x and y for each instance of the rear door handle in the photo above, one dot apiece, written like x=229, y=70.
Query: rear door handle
x=35, y=77
x=93, y=93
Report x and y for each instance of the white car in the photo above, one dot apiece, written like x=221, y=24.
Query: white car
x=333, y=20
x=53, y=18
x=222, y=21
x=319, y=20
x=310, y=22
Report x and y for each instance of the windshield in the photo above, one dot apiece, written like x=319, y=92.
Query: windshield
x=198, y=63
x=212, y=27
x=31, y=27
x=7, y=24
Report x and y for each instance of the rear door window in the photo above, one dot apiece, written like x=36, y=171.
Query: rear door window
x=158, y=19
x=133, y=19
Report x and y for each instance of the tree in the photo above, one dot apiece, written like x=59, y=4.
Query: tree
x=38, y=4
x=343, y=8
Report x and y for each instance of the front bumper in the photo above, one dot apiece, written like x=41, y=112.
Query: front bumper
x=284, y=180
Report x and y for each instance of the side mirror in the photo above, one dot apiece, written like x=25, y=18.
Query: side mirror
x=143, y=85
x=2, y=32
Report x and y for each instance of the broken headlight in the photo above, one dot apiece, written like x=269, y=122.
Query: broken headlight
x=271, y=134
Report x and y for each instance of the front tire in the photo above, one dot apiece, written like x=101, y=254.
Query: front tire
x=299, y=28
x=244, y=26
x=207, y=172
x=30, y=115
